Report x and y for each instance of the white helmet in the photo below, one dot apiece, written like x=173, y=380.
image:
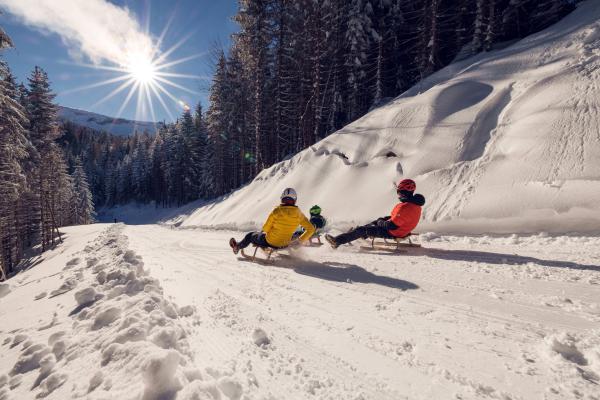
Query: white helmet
x=289, y=193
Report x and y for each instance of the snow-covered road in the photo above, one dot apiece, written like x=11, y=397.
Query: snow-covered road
x=506, y=318
x=151, y=313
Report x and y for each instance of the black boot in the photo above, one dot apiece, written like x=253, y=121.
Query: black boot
x=331, y=240
x=234, y=246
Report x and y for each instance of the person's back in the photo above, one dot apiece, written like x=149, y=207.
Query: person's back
x=406, y=215
x=283, y=222
x=279, y=229
x=404, y=218
x=318, y=221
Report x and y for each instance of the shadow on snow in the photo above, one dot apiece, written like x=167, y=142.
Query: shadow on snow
x=336, y=272
x=489, y=258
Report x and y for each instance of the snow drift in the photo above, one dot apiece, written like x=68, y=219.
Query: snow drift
x=506, y=141
x=107, y=332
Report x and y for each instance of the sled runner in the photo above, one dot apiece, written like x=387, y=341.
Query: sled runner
x=268, y=253
x=315, y=241
x=395, y=245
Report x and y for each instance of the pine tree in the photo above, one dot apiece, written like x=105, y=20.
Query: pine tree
x=493, y=26
x=43, y=132
x=217, y=126
x=140, y=166
x=174, y=165
x=253, y=18
x=548, y=12
x=287, y=24
x=5, y=40
x=201, y=151
x=515, y=18
x=359, y=35
x=190, y=159
x=157, y=172
x=82, y=204
x=13, y=150
x=237, y=106
x=478, y=40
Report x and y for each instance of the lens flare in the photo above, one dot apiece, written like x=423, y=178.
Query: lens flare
x=184, y=105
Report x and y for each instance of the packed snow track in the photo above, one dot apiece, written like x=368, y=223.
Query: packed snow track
x=148, y=312
x=506, y=318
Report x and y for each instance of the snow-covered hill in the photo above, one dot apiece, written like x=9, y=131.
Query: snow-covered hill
x=506, y=141
x=116, y=126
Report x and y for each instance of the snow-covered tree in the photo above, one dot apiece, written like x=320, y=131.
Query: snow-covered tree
x=216, y=120
x=201, y=151
x=82, y=203
x=48, y=164
x=13, y=150
x=359, y=38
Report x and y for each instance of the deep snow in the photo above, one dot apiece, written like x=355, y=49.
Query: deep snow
x=507, y=141
x=152, y=312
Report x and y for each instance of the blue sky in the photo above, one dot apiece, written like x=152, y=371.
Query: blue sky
x=206, y=21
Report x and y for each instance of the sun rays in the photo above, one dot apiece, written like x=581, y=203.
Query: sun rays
x=146, y=75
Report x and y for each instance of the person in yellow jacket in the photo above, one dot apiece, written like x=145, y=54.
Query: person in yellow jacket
x=277, y=232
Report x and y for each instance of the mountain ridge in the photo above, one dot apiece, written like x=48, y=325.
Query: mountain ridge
x=100, y=122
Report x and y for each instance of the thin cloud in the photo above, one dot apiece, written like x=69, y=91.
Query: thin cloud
x=94, y=29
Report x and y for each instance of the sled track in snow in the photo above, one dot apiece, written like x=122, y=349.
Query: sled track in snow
x=344, y=339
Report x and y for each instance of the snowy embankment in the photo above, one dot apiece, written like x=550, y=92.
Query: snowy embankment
x=506, y=141
x=88, y=322
x=462, y=318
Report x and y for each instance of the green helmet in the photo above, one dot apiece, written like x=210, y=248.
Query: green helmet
x=315, y=210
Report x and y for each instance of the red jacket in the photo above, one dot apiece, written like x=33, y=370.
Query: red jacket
x=405, y=216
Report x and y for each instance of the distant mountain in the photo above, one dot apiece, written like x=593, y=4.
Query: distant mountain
x=116, y=126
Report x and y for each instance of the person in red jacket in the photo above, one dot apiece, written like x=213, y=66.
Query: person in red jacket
x=404, y=218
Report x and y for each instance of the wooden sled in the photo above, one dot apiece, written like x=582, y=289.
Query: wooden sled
x=394, y=245
x=268, y=252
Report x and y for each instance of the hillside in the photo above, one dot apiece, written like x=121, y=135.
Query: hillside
x=506, y=141
x=116, y=126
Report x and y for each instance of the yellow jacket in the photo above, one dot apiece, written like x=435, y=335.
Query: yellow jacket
x=283, y=222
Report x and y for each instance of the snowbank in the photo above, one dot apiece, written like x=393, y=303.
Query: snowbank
x=112, y=333
x=506, y=141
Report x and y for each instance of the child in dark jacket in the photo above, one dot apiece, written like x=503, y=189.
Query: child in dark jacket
x=317, y=219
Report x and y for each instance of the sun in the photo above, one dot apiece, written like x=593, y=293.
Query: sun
x=141, y=68
x=144, y=72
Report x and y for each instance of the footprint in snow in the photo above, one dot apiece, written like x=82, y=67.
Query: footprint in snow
x=40, y=296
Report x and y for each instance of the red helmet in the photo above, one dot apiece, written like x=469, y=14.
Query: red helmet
x=407, y=184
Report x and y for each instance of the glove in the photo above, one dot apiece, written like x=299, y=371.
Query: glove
x=387, y=224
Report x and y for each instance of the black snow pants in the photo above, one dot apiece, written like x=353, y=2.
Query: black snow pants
x=257, y=238
x=365, y=231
